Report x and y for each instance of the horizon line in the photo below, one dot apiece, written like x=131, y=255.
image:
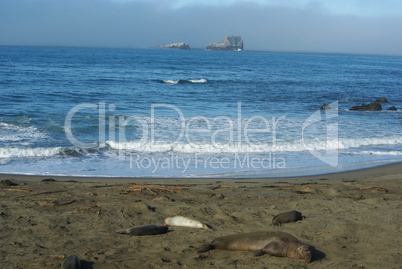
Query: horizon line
x=198, y=48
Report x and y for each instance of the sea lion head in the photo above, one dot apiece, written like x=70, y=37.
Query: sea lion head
x=303, y=252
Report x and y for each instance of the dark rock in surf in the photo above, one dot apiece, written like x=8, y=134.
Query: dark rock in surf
x=382, y=100
x=392, y=108
x=325, y=106
x=375, y=106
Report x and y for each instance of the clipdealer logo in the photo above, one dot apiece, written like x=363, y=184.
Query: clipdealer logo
x=233, y=137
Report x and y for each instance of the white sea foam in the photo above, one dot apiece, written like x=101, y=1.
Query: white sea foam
x=30, y=152
x=178, y=81
x=14, y=133
x=168, y=81
x=291, y=146
x=202, y=80
x=392, y=153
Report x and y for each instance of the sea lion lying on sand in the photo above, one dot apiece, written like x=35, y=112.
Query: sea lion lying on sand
x=289, y=216
x=278, y=244
x=149, y=229
x=71, y=262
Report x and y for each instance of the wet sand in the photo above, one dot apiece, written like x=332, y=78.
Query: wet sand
x=353, y=217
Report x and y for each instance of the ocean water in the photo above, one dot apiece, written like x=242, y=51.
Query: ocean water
x=194, y=113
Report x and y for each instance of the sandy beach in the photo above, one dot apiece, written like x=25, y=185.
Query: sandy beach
x=352, y=217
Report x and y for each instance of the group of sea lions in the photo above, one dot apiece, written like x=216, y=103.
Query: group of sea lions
x=274, y=243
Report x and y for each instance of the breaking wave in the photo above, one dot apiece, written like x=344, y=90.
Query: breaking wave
x=291, y=146
x=14, y=133
x=29, y=152
x=389, y=153
x=42, y=152
x=182, y=81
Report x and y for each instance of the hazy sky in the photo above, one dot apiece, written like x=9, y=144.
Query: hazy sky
x=346, y=26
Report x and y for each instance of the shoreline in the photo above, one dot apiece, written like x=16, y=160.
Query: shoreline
x=386, y=169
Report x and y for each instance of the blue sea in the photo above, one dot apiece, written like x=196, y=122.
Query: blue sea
x=194, y=113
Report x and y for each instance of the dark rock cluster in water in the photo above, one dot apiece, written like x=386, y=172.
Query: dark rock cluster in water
x=374, y=106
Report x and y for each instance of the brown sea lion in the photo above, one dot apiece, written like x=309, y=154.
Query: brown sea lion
x=278, y=244
x=289, y=216
x=149, y=229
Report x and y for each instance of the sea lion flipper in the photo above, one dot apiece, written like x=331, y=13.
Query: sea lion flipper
x=206, y=247
x=272, y=249
x=276, y=223
x=259, y=252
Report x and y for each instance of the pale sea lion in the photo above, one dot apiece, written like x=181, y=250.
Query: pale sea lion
x=278, y=244
x=289, y=216
x=186, y=222
x=149, y=229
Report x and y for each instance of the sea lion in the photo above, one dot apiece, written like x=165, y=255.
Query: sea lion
x=149, y=229
x=286, y=217
x=278, y=244
x=7, y=183
x=186, y=222
x=71, y=262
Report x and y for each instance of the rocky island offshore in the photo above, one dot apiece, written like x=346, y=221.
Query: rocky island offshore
x=234, y=43
x=229, y=43
x=179, y=45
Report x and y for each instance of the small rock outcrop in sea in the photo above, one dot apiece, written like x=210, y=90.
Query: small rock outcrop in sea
x=180, y=45
x=382, y=100
x=375, y=106
x=229, y=43
x=325, y=106
x=392, y=108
